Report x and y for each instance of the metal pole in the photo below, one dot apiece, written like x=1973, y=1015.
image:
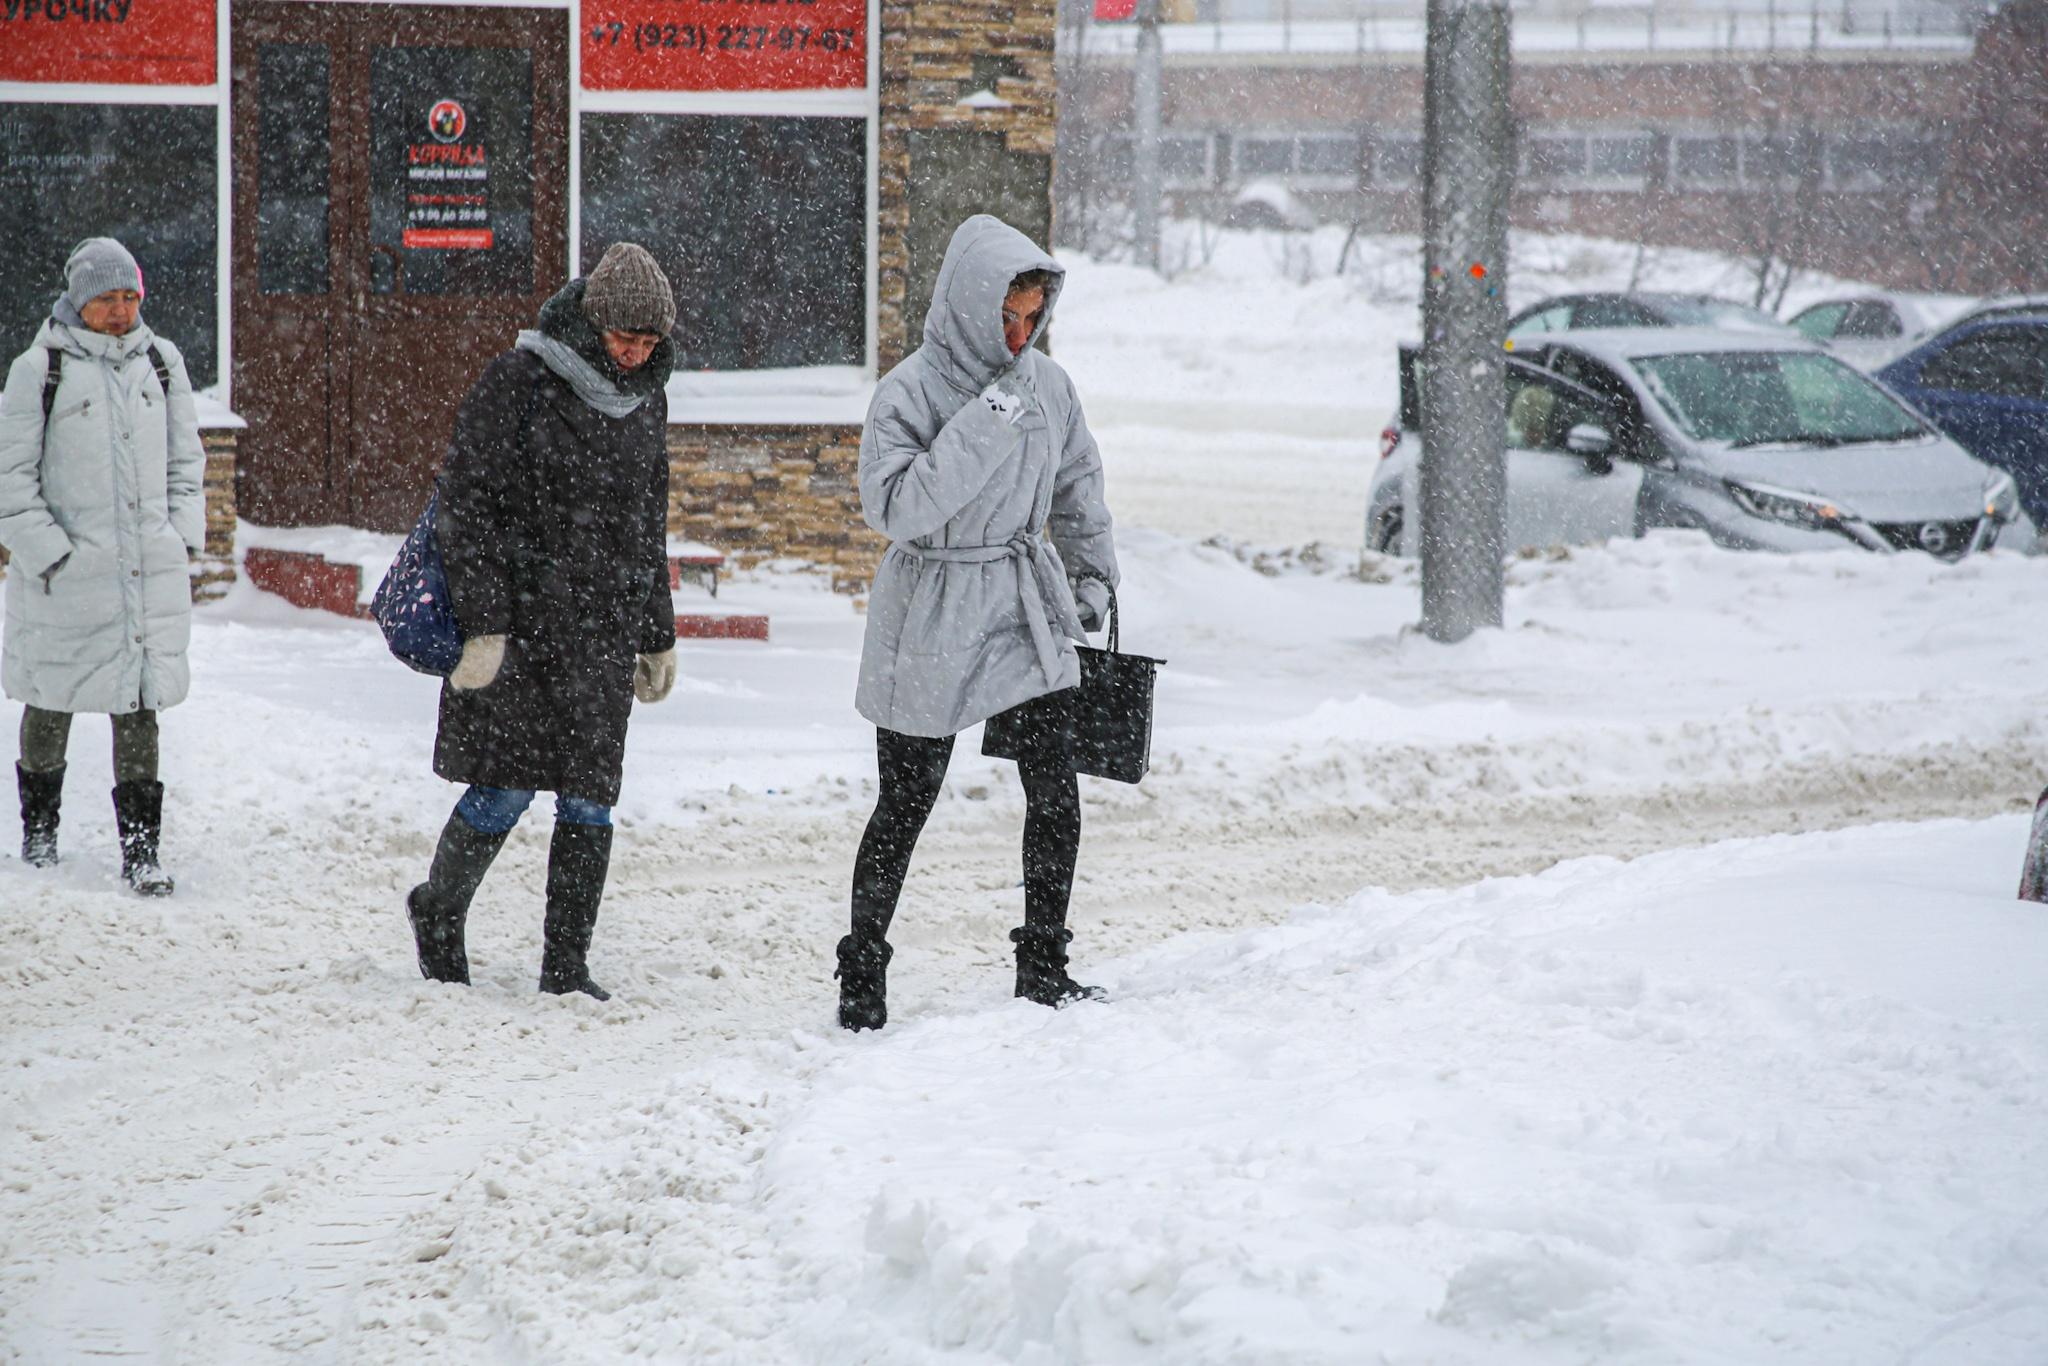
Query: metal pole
x=1145, y=98
x=1468, y=175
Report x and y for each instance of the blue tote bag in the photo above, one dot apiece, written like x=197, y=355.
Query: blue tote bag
x=412, y=607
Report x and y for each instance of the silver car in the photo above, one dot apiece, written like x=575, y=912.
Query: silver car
x=1762, y=443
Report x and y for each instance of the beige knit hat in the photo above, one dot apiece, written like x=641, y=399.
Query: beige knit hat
x=628, y=293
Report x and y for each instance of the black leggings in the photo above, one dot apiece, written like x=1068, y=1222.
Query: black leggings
x=912, y=767
x=46, y=735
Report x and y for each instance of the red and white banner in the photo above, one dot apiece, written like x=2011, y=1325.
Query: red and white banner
x=109, y=42
x=724, y=44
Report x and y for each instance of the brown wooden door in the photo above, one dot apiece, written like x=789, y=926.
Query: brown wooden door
x=401, y=210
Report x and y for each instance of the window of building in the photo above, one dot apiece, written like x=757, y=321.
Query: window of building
x=1328, y=158
x=1184, y=160
x=1555, y=158
x=1780, y=159
x=1703, y=160
x=1259, y=156
x=759, y=223
x=1881, y=160
x=750, y=176
x=1624, y=156
x=146, y=174
x=1398, y=161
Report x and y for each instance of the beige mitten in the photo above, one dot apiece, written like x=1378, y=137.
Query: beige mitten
x=654, y=675
x=482, y=657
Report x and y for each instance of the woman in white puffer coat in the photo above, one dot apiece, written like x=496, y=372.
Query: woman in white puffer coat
x=101, y=505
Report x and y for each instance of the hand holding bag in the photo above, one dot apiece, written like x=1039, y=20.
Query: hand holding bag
x=1112, y=711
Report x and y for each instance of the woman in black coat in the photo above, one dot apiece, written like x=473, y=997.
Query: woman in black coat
x=553, y=527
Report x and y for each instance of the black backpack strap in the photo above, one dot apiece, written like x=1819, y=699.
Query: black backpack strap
x=163, y=372
x=52, y=377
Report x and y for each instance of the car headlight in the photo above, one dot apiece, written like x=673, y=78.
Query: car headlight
x=2001, y=499
x=1789, y=506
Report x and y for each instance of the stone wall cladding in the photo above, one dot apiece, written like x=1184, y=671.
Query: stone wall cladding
x=760, y=493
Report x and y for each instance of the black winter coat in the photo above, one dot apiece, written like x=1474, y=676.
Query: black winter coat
x=553, y=526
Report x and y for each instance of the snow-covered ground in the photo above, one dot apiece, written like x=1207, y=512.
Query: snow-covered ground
x=1771, y=1100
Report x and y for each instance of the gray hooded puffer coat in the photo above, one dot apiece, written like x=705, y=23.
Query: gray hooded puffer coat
x=972, y=611
x=118, y=490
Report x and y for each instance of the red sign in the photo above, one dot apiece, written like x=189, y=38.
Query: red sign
x=112, y=42
x=724, y=44
x=1114, y=10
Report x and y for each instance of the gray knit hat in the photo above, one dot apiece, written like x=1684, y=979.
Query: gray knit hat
x=97, y=265
x=628, y=293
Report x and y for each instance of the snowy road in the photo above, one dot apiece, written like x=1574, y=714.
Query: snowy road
x=231, y=1135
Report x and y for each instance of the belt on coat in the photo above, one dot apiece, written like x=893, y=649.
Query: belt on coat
x=1039, y=579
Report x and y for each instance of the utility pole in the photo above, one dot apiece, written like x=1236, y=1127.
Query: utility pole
x=1467, y=175
x=1145, y=97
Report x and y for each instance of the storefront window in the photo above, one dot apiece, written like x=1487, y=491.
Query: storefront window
x=760, y=223
x=145, y=174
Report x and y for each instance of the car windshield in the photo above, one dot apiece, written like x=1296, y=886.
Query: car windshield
x=1717, y=313
x=1763, y=398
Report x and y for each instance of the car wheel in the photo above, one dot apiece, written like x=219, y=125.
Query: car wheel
x=1386, y=533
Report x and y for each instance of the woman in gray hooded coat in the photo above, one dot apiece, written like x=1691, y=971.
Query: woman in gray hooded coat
x=975, y=448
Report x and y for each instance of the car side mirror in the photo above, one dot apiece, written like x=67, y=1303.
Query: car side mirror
x=1593, y=442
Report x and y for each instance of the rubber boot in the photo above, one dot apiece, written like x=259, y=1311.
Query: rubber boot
x=139, y=816
x=863, y=975
x=40, y=794
x=439, y=907
x=579, y=857
x=1042, y=967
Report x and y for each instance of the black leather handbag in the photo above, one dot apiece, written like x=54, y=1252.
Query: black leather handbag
x=1111, y=710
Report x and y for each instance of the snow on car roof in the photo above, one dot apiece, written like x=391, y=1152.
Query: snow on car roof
x=1615, y=344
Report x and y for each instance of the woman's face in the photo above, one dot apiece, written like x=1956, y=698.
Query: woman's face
x=113, y=312
x=1021, y=311
x=630, y=350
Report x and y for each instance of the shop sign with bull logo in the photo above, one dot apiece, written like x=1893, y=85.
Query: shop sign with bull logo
x=448, y=194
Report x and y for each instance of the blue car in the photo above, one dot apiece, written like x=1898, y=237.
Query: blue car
x=1985, y=383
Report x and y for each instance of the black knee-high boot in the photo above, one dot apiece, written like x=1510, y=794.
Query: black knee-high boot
x=579, y=859
x=1052, y=840
x=139, y=817
x=439, y=907
x=41, y=795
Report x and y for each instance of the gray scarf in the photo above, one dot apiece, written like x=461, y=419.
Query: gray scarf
x=590, y=386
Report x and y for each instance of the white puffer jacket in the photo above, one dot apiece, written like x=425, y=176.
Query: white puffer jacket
x=99, y=520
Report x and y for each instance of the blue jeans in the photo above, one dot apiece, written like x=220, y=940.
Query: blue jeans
x=495, y=810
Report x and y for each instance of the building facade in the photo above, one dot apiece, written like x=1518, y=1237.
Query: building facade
x=343, y=210
x=1828, y=134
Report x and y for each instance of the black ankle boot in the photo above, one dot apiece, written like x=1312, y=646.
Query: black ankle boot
x=863, y=975
x=1042, y=967
x=439, y=907
x=40, y=793
x=579, y=857
x=139, y=816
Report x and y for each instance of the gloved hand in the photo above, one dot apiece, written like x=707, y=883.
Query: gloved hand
x=1003, y=402
x=654, y=675
x=1091, y=602
x=482, y=657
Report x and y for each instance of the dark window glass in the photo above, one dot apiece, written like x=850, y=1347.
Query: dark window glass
x=1557, y=158
x=1329, y=156
x=1612, y=313
x=759, y=222
x=1265, y=156
x=2008, y=362
x=1541, y=411
x=291, y=169
x=144, y=174
x=1821, y=321
x=451, y=168
x=1871, y=319
x=1618, y=158
x=1705, y=158
x=1185, y=159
